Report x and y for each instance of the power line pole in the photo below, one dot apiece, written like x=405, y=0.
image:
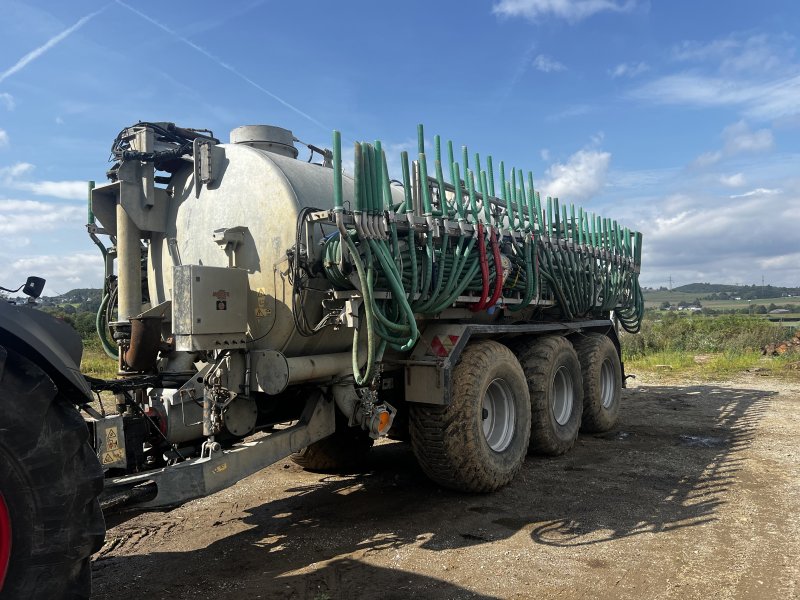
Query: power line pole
x=670, y=283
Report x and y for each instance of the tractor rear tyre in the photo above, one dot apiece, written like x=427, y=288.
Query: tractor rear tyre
x=50, y=479
x=554, y=381
x=602, y=382
x=478, y=442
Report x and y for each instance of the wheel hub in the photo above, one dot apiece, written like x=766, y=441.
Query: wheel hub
x=5, y=539
x=562, y=396
x=499, y=415
x=607, y=384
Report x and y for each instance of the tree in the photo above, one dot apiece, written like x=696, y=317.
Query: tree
x=664, y=305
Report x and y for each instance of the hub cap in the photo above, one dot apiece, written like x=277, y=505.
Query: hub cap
x=562, y=396
x=499, y=415
x=5, y=539
x=607, y=384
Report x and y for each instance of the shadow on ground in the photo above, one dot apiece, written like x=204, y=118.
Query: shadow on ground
x=666, y=466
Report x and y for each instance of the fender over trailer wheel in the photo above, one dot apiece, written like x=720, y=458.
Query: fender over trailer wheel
x=478, y=442
x=50, y=479
x=602, y=382
x=554, y=381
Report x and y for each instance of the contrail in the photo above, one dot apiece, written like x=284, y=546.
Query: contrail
x=34, y=54
x=224, y=65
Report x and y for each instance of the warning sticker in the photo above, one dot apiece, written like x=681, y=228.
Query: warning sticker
x=113, y=456
x=112, y=438
x=262, y=310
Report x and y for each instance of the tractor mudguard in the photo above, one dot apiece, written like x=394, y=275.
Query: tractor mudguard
x=48, y=341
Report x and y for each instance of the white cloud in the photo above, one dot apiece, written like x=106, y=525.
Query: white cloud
x=737, y=138
x=758, y=192
x=545, y=64
x=735, y=180
x=693, y=237
x=62, y=272
x=571, y=10
x=7, y=100
x=571, y=111
x=629, y=70
x=545, y=154
x=755, y=74
x=3, y=138
x=37, y=52
x=16, y=170
x=14, y=177
x=707, y=159
x=581, y=177
x=735, y=54
x=21, y=216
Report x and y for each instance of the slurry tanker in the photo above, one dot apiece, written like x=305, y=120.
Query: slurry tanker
x=261, y=306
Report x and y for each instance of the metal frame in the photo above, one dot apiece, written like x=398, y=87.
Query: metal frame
x=428, y=377
x=218, y=469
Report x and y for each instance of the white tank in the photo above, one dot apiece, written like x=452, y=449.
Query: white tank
x=258, y=185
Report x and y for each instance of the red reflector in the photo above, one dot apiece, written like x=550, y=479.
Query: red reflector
x=442, y=345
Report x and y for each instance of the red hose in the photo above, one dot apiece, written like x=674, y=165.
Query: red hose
x=484, y=271
x=498, y=270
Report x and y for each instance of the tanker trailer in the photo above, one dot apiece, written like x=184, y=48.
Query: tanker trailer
x=261, y=306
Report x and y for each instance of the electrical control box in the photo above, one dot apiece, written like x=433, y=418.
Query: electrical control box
x=209, y=307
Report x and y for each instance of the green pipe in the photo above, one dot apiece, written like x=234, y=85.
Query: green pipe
x=337, y=171
x=90, y=217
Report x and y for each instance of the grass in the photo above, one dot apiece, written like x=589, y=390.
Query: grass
x=95, y=363
x=674, y=364
x=707, y=347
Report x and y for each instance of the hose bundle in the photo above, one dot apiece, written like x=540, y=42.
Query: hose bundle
x=458, y=243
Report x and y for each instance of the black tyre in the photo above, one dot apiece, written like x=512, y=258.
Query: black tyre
x=478, y=442
x=554, y=381
x=50, y=480
x=602, y=382
x=345, y=450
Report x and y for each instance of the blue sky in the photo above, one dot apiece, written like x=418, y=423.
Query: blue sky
x=677, y=118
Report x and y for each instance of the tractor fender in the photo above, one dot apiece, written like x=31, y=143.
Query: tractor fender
x=49, y=342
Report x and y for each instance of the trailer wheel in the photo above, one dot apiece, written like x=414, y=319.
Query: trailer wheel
x=478, y=442
x=602, y=382
x=50, y=479
x=554, y=381
x=344, y=450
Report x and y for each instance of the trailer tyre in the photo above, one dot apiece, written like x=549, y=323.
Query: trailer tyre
x=553, y=373
x=50, y=479
x=602, y=382
x=344, y=450
x=478, y=442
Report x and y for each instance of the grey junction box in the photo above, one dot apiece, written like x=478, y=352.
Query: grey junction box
x=209, y=307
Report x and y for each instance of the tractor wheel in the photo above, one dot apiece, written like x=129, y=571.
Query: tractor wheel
x=50, y=479
x=602, y=382
x=554, y=381
x=343, y=451
x=478, y=442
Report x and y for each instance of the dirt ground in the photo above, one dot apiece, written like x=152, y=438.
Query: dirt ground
x=696, y=494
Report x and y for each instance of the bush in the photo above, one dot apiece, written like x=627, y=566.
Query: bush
x=727, y=333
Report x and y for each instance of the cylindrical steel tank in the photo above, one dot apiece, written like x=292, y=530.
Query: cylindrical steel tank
x=255, y=187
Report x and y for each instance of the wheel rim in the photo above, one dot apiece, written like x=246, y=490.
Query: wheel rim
x=5, y=539
x=607, y=384
x=499, y=415
x=562, y=396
